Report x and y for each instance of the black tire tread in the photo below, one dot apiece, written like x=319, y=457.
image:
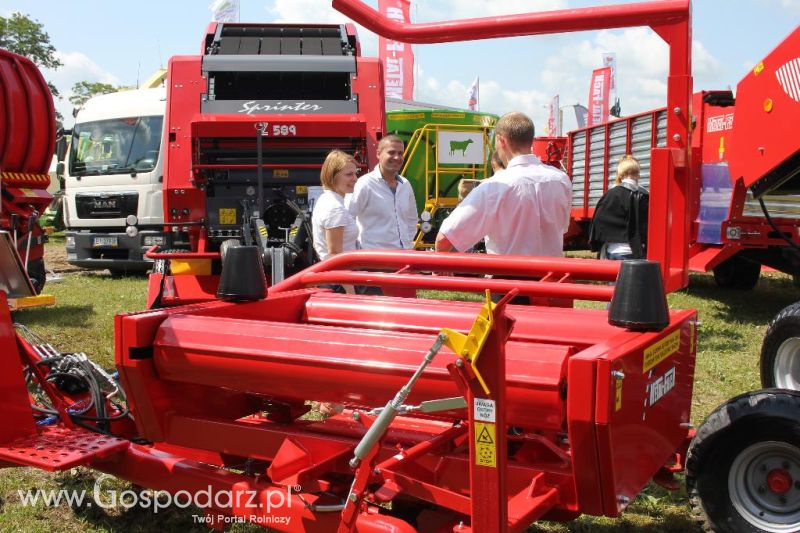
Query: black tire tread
x=733, y=415
x=788, y=318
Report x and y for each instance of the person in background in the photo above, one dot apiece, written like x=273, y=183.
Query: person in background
x=497, y=163
x=383, y=202
x=619, y=225
x=521, y=210
x=334, y=228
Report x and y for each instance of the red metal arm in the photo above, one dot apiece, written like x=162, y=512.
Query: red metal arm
x=340, y=269
x=547, y=22
x=670, y=180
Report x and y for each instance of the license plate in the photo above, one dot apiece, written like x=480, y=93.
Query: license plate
x=105, y=241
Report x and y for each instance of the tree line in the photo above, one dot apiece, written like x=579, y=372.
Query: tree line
x=25, y=36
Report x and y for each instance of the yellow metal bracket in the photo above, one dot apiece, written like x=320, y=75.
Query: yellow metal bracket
x=469, y=346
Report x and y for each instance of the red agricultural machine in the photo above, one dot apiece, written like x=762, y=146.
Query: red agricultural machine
x=249, y=123
x=731, y=233
x=27, y=140
x=456, y=416
x=453, y=416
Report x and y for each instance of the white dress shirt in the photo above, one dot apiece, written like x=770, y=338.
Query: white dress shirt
x=385, y=219
x=330, y=212
x=522, y=210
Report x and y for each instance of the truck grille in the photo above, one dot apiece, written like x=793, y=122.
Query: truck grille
x=106, y=205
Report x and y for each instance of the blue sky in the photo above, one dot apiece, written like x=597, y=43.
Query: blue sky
x=113, y=41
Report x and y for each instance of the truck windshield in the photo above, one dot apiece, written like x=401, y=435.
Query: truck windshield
x=114, y=146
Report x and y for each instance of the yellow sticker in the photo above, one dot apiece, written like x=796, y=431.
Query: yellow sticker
x=661, y=350
x=301, y=189
x=280, y=173
x=618, y=396
x=447, y=115
x=227, y=215
x=485, y=445
x=406, y=116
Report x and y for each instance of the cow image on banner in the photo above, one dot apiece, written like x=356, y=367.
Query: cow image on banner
x=460, y=147
x=397, y=58
x=598, y=95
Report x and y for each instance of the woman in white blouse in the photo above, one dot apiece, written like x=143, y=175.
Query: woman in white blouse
x=335, y=229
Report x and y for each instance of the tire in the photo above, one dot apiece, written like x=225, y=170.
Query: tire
x=37, y=273
x=743, y=465
x=737, y=273
x=780, y=351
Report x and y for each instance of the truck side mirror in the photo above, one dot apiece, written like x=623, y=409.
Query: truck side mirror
x=60, y=168
x=61, y=148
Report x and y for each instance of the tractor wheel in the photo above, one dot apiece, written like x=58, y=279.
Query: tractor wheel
x=37, y=273
x=780, y=351
x=737, y=273
x=743, y=466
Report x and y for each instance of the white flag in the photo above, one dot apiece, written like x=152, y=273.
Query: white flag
x=473, y=95
x=224, y=10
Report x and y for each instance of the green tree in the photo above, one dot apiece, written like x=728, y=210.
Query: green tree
x=83, y=90
x=24, y=36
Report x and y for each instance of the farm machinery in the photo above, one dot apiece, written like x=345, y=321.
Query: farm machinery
x=27, y=140
x=249, y=122
x=450, y=416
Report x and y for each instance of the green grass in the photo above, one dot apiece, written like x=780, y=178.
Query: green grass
x=729, y=342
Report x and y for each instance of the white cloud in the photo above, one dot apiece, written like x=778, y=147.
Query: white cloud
x=76, y=67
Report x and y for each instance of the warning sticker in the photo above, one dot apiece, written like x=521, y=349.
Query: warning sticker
x=484, y=410
x=227, y=215
x=618, y=396
x=485, y=445
x=661, y=350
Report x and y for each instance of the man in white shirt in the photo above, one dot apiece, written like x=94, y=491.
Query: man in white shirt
x=522, y=210
x=383, y=201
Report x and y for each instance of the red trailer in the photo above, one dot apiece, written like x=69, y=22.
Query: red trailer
x=729, y=233
x=249, y=122
x=27, y=141
x=743, y=468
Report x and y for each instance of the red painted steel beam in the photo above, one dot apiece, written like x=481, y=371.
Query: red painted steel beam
x=601, y=293
x=507, y=265
x=548, y=22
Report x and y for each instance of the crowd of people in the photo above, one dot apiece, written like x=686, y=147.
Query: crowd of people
x=523, y=209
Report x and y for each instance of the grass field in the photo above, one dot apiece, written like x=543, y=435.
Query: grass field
x=729, y=341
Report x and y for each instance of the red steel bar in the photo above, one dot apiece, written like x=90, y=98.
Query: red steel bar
x=448, y=283
x=588, y=18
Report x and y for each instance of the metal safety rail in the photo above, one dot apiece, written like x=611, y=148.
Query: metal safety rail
x=555, y=277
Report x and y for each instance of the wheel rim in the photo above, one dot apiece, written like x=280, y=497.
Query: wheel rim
x=787, y=364
x=764, y=486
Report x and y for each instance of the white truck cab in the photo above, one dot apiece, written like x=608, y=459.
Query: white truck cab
x=113, y=209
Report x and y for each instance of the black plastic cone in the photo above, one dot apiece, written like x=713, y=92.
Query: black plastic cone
x=639, y=302
x=242, y=278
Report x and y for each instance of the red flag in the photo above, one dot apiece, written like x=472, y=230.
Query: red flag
x=552, y=128
x=598, y=95
x=397, y=57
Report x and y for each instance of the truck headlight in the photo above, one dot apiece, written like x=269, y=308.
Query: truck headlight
x=70, y=241
x=131, y=231
x=150, y=240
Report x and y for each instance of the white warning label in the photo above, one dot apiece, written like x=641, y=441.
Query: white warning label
x=484, y=409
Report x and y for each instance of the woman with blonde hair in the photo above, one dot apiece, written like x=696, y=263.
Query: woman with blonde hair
x=334, y=228
x=619, y=225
